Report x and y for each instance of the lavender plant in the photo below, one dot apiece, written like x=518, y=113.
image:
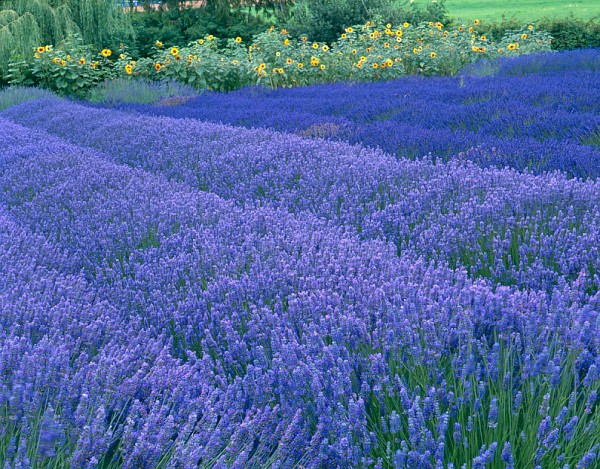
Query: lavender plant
x=539, y=113
x=201, y=295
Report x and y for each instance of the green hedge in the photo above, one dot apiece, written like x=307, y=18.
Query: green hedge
x=572, y=33
x=567, y=33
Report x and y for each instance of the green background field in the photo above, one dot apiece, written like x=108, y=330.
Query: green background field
x=526, y=10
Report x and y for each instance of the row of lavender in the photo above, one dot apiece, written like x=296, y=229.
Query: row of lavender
x=511, y=228
x=180, y=294
x=538, y=112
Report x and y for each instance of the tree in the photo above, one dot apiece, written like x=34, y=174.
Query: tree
x=26, y=24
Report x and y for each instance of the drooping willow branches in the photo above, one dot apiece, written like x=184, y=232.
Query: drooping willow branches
x=25, y=24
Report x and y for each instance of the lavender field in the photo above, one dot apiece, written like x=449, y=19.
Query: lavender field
x=383, y=275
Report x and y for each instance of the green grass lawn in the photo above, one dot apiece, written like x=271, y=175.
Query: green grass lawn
x=525, y=10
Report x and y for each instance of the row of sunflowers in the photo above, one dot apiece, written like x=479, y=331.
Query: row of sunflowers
x=373, y=51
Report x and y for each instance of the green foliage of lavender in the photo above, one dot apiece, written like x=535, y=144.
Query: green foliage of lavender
x=123, y=91
x=13, y=95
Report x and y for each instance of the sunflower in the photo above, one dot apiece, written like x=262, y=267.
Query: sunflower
x=106, y=52
x=41, y=50
x=375, y=65
x=200, y=41
x=304, y=39
x=406, y=25
x=315, y=45
x=262, y=66
x=300, y=65
x=37, y=56
x=389, y=62
x=349, y=29
x=122, y=56
x=483, y=38
x=344, y=36
x=280, y=71
x=128, y=69
x=289, y=61
x=325, y=47
x=476, y=22
x=174, y=51
x=386, y=45
x=322, y=67
x=210, y=37
x=512, y=46
x=238, y=39
x=63, y=63
x=286, y=42
x=157, y=67
x=530, y=27
x=81, y=61
x=48, y=48
x=158, y=44
x=433, y=55
x=399, y=33
x=523, y=36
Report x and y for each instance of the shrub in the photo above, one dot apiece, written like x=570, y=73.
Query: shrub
x=373, y=51
x=182, y=25
x=325, y=20
x=572, y=33
x=567, y=33
x=142, y=91
x=26, y=24
x=14, y=95
x=72, y=69
x=201, y=64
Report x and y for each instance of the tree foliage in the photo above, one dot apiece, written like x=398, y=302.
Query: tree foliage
x=324, y=20
x=176, y=22
x=25, y=24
